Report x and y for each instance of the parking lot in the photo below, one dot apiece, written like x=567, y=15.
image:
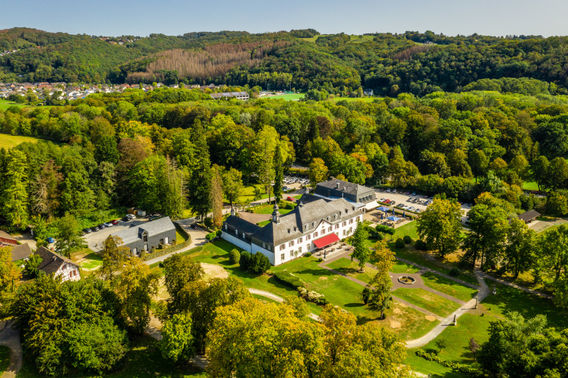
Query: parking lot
x=294, y=183
x=408, y=201
x=95, y=240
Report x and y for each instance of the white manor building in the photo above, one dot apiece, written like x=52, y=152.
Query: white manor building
x=315, y=223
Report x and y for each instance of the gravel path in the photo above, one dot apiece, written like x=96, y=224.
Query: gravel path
x=449, y=320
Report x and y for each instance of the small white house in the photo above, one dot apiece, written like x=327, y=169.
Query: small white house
x=59, y=266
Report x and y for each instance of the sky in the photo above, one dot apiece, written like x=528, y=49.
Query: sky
x=176, y=17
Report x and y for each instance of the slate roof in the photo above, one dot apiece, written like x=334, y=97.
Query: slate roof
x=529, y=215
x=343, y=186
x=158, y=226
x=305, y=217
x=21, y=251
x=155, y=227
x=51, y=261
x=242, y=225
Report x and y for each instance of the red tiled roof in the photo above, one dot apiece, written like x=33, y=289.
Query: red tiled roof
x=326, y=240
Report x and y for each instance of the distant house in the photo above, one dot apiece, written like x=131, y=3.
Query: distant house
x=357, y=194
x=57, y=265
x=226, y=95
x=21, y=252
x=6, y=239
x=529, y=216
x=148, y=236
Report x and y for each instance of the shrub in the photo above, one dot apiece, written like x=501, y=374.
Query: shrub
x=385, y=229
x=234, y=256
x=289, y=279
x=245, y=260
x=407, y=239
x=208, y=222
x=211, y=236
x=257, y=263
x=312, y=296
x=454, y=272
x=260, y=263
x=399, y=243
x=420, y=245
x=309, y=254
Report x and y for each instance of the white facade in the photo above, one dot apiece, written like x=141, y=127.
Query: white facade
x=291, y=249
x=68, y=272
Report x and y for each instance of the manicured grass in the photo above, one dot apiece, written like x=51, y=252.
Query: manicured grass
x=532, y=185
x=4, y=358
x=269, y=208
x=427, y=300
x=449, y=287
x=400, y=267
x=350, y=268
x=407, y=322
x=408, y=229
x=143, y=360
x=508, y=299
x=9, y=141
x=92, y=261
x=424, y=259
x=430, y=368
x=288, y=96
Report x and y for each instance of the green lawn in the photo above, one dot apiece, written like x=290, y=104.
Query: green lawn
x=247, y=194
x=532, y=185
x=427, y=300
x=424, y=259
x=288, y=96
x=92, y=261
x=338, y=290
x=408, y=229
x=400, y=267
x=143, y=360
x=5, y=104
x=269, y=208
x=350, y=268
x=449, y=287
x=9, y=141
x=263, y=223
x=508, y=299
x=4, y=358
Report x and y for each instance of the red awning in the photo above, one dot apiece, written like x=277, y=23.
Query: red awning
x=326, y=240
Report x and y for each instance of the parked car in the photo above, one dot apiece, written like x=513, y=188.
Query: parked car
x=86, y=231
x=114, y=222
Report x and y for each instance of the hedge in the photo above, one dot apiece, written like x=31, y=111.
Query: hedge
x=289, y=279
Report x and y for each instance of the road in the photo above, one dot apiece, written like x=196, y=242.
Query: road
x=197, y=239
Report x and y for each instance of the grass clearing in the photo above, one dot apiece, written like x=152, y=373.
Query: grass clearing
x=247, y=194
x=8, y=141
x=448, y=286
x=531, y=185
x=92, y=261
x=288, y=96
x=351, y=269
x=408, y=229
x=5, y=104
x=400, y=267
x=427, y=300
x=180, y=238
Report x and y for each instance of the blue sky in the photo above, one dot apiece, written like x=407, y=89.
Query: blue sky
x=174, y=17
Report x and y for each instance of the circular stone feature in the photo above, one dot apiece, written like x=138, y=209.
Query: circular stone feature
x=406, y=280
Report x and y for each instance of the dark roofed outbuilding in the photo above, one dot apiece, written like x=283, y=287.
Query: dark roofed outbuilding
x=529, y=216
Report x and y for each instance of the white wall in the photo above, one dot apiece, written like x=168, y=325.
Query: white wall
x=236, y=241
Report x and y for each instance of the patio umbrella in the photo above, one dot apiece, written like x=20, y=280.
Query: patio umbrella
x=393, y=218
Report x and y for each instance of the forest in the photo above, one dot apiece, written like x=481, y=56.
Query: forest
x=388, y=64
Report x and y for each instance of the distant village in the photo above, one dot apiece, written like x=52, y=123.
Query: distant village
x=70, y=91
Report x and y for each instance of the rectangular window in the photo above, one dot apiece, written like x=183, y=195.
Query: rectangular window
x=344, y=224
x=282, y=247
x=308, y=237
x=282, y=257
x=329, y=229
x=315, y=234
x=291, y=243
x=300, y=240
x=336, y=226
